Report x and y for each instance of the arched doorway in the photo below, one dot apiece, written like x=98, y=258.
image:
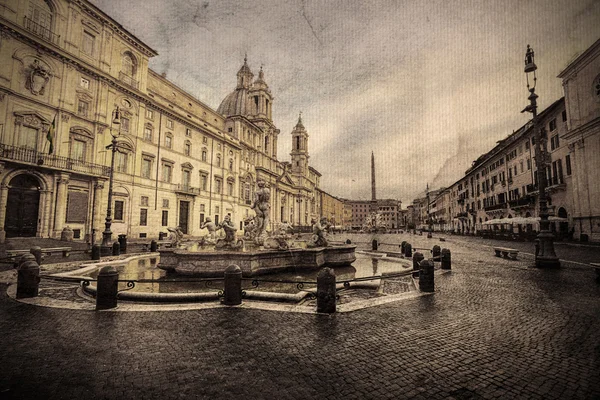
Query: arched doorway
x=22, y=206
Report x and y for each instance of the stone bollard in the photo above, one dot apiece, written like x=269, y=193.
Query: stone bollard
x=348, y=241
x=446, y=259
x=153, y=246
x=374, y=244
x=417, y=258
x=435, y=253
x=107, y=288
x=232, y=293
x=25, y=257
x=37, y=253
x=123, y=243
x=116, y=249
x=96, y=252
x=402, y=246
x=408, y=250
x=426, y=280
x=28, y=279
x=326, y=291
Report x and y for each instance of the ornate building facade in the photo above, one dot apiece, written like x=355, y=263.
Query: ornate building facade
x=66, y=68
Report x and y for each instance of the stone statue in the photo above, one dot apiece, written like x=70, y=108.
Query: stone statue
x=318, y=238
x=280, y=239
x=249, y=229
x=212, y=228
x=229, y=241
x=176, y=236
x=261, y=207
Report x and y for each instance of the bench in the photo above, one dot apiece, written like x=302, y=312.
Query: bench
x=506, y=252
x=596, y=266
x=48, y=251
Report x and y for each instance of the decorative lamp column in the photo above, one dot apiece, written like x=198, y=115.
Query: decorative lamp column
x=546, y=257
x=107, y=234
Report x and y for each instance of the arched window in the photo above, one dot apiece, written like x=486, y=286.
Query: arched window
x=218, y=160
x=128, y=64
x=81, y=143
x=122, y=156
x=231, y=164
x=39, y=20
x=204, y=154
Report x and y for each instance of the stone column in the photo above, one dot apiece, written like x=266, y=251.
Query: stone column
x=3, y=199
x=99, y=213
x=62, y=183
x=45, y=201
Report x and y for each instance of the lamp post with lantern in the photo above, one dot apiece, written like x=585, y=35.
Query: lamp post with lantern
x=545, y=256
x=107, y=234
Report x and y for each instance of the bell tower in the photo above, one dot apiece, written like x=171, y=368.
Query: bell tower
x=261, y=100
x=299, y=149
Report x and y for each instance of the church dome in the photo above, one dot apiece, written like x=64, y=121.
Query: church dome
x=235, y=103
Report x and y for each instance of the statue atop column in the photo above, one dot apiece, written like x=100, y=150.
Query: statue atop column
x=261, y=207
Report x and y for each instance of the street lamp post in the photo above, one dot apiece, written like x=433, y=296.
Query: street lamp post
x=107, y=234
x=545, y=257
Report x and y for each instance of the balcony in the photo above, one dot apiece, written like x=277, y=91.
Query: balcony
x=32, y=157
x=522, y=202
x=128, y=80
x=462, y=215
x=496, y=207
x=187, y=189
x=41, y=31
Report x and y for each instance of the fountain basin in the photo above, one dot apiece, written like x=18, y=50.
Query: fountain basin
x=252, y=263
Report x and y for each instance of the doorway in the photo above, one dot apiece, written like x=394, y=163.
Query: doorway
x=22, y=207
x=184, y=215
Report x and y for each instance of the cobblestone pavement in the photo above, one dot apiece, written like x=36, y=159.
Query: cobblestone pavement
x=494, y=329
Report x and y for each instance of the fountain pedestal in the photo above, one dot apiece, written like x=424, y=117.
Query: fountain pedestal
x=211, y=264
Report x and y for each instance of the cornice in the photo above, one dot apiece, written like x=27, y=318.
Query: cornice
x=94, y=12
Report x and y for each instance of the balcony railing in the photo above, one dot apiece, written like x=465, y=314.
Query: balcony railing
x=500, y=206
x=29, y=156
x=128, y=80
x=522, y=202
x=182, y=188
x=41, y=31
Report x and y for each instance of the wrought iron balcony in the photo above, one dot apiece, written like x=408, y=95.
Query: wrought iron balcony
x=41, y=31
x=187, y=189
x=128, y=80
x=33, y=157
x=500, y=206
x=522, y=202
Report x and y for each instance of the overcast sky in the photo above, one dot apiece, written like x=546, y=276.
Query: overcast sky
x=428, y=86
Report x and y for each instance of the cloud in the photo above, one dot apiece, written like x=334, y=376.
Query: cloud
x=427, y=85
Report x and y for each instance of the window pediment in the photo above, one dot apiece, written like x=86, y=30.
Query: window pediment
x=82, y=131
x=33, y=120
x=187, y=165
x=91, y=25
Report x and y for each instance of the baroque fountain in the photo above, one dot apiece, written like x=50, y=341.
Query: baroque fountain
x=259, y=252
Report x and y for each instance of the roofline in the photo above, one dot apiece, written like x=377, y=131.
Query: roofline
x=572, y=65
x=132, y=39
x=188, y=94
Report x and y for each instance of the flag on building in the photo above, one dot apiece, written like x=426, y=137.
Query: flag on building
x=50, y=135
